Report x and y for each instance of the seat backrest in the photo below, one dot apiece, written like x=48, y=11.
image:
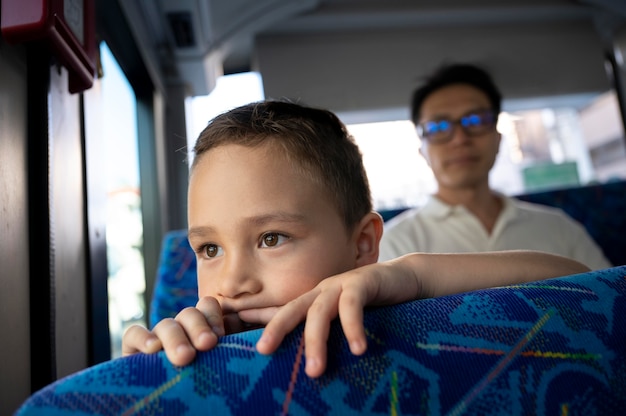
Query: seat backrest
x=601, y=209
x=548, y=347
x=176, y=285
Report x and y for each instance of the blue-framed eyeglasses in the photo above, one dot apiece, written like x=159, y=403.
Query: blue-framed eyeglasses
x=441, y=131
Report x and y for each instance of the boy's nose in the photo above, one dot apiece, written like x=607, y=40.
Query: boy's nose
x=237, y=278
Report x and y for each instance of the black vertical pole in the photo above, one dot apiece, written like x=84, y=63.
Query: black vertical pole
x=41, y=240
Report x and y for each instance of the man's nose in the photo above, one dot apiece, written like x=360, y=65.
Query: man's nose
x=459, y=135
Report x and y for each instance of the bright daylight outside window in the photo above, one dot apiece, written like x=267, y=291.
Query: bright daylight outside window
x=124, y=229
x=540, y=149
x=230, y=91
x=398, y=175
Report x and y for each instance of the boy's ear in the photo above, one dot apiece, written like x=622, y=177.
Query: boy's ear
x=367, y=237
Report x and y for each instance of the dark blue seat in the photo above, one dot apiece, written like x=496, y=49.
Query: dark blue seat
x=601, y=209
x=176, y=285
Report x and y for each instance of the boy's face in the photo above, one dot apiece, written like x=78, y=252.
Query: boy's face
x=263, y=232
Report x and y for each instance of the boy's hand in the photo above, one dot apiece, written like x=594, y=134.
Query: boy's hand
x=345, y=295
x=193, y=329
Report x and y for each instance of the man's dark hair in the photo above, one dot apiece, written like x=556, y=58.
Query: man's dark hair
x=456, y=74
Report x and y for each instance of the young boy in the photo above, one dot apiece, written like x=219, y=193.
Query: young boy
x=278, y=203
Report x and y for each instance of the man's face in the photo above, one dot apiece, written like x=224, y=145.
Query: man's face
x=463, y=161
x=264, y=233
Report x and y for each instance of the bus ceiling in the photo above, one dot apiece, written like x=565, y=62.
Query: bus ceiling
x=376, y=51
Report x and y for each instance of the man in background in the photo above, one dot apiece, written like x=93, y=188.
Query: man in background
x=455, y=112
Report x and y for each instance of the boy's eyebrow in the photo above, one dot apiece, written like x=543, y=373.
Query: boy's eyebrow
x=199, y=231
x=279, y=216
x=257, y=220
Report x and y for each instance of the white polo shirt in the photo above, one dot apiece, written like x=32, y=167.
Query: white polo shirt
x=441, y=228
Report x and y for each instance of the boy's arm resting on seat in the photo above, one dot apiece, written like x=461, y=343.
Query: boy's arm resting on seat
x=410, y=277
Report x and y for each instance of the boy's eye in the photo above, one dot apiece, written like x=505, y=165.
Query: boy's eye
x=212, y=250
x=272, y=239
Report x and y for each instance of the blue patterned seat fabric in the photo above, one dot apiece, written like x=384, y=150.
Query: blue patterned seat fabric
x=554, y=347
x=176, y=285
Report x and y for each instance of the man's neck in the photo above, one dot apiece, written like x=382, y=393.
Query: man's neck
x=480, y=201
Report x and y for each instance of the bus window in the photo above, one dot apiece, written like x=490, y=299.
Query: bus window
x=230, y=91
x=565, y=144
x=398, y=174
x=124, y=229
x=546, y=143
x=604, y=132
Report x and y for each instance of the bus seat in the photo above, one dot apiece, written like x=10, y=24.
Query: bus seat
x=549, y=347
x=176, y=285
x=601, y=209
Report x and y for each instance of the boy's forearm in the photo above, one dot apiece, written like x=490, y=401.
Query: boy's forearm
x=445, y=274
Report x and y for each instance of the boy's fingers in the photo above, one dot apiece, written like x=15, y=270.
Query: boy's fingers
x=258, y=316
x=351, y=312
x=316, y=330
x=198, y=331
x=139, y=339
x=284, y=321
x=177, y=346
x=212, y=312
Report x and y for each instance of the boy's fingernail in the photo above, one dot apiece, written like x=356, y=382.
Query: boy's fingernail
x=219, y=331
x=206, y=337
x=356, y=347
x=183, y=348
x=311, y=364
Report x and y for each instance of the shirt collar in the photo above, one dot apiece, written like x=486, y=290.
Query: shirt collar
x=438, y=209
x=510, y=209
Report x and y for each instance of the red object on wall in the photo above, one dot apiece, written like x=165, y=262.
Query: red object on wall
x=67, y=26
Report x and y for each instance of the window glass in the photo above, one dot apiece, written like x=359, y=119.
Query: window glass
x=230, y=91
x=124, y=229
x=541, y=149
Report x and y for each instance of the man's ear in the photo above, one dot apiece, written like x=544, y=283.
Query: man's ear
x=367, y=237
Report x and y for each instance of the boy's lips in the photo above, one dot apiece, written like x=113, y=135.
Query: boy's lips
x=248, y=313
x=238, y=305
